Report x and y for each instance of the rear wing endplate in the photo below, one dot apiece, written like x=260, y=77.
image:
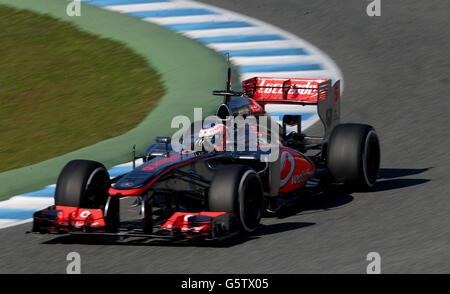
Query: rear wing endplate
x=329, y=109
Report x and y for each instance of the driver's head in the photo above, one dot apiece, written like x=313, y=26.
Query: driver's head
x=211, y=138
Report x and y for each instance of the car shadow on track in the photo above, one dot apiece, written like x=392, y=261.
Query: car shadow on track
x=391, y=178
x=338, y=196
x=264, y=229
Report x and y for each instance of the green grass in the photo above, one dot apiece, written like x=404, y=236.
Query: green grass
x=62, y=89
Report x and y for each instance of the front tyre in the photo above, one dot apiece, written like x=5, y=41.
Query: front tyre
x=238, y=189
x=353, y=155
x=85, y=184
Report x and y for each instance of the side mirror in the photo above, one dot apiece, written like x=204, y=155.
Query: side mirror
x=166, y=141
x=163, y=140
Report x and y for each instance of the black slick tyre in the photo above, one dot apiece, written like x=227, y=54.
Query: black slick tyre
x=85, y=184
x=353, y=156
x=238, y=189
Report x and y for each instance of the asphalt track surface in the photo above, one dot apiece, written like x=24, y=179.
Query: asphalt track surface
x=396, y=70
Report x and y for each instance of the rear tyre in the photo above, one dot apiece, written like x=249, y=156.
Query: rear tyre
x=353, y=155
x=85, y=184
x=238, y=189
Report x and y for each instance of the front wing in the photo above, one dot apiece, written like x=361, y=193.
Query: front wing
x=181, y=225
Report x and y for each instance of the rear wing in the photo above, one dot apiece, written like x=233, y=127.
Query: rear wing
x=318, y=92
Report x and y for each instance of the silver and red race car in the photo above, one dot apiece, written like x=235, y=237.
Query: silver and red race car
x=221, y=177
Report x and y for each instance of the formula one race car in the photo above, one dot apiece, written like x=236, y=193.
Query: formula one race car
x=204, y=186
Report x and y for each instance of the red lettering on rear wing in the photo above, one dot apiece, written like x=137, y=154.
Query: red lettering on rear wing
x=318, y=92
x=286, y=91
